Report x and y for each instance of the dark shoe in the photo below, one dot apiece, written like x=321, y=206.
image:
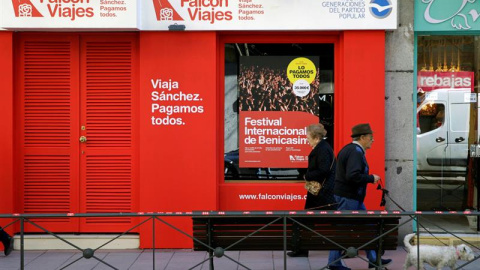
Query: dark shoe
x=333, y=267
x=302, y=253
x=385, y=262
x=8, y=247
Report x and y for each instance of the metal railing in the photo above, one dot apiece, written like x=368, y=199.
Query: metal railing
x=420, y=218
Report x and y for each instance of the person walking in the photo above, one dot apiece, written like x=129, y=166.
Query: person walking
x=351, y=179
x=321, y=168
x=7, y=242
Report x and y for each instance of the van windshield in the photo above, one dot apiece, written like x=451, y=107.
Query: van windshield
x=430, y=117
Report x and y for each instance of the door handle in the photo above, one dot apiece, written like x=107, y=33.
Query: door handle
x=83, y=139
x=439, y=139
x=461, y=139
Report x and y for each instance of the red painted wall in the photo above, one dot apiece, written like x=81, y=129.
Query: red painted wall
x=177, y=162
x=180, y=166
x=6, y=126
x=363, y=98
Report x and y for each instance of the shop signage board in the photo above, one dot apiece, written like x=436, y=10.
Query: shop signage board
x=432, y=80
x=200, y=14
x=447, y=15
x=70, y=14
x=278, y=99
x=1, y=18
x=269, y=15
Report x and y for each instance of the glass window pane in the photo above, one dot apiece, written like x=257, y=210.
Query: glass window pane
x=447, y=116
x=257, y=83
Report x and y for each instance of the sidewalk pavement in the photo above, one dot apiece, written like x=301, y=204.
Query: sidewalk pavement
x=185, y=259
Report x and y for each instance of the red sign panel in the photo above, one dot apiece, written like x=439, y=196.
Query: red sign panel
x=274, y=139
x=431, y=80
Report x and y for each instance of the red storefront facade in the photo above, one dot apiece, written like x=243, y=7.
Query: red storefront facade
x=129, y=162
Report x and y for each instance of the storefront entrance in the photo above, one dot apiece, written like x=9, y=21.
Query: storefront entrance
x=75, y=103
x=447, y=127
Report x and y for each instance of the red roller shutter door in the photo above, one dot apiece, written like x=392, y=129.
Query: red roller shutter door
x=68, y=86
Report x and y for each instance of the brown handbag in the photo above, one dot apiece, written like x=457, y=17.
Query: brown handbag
x=314, y=187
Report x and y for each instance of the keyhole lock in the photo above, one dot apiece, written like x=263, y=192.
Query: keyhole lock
x=83, y=139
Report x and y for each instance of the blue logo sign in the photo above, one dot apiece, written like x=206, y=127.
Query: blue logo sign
x=380, y=9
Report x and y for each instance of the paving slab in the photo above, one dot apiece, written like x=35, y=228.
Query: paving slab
x=226, y=262
x=118, y=259
x=292, y=263
x=13, y=260
x=78, y=262
x=145, y=260
x=49, y=260
x=186, y=260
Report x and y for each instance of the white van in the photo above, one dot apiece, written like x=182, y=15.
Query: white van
x=443, y=119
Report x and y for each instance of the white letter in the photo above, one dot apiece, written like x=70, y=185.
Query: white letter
x=154, y=95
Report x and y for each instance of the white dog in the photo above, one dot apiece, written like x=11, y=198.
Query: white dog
x=436, y=256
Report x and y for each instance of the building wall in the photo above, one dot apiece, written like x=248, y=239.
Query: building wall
x=177, y=162
x=6, y=124
x=179, y=165
x=164, y=160
x=399, y=166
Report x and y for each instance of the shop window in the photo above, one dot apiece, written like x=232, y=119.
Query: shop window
x=272, y=92
x=446, y=123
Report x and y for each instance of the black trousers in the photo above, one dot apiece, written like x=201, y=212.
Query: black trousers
x=4, y=236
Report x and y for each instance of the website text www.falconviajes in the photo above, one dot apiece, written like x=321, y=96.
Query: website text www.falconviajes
x=266, y=196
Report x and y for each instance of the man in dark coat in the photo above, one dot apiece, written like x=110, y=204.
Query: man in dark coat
x=351, y=179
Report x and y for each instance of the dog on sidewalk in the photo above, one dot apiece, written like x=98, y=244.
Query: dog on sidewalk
x=436, y=256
